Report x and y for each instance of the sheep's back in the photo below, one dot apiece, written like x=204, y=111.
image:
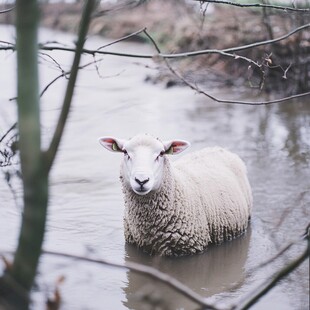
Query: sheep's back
x=215, y=182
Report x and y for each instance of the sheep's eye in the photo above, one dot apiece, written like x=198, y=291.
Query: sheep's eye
x=126, y=153
x=161, y=154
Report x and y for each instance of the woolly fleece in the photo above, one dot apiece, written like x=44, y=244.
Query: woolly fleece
x=205, y=198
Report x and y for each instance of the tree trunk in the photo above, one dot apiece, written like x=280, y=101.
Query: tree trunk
x=18, y=280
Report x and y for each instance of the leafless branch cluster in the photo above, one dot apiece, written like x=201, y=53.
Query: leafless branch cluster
x=9, y=161
x=8, y=146
x=228, y=52
x=200, y=91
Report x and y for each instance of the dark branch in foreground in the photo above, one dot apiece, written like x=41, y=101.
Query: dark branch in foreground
x=270, y=283
x=257, y=5
x=142, y=269
x=276, y=256
x=151, y=272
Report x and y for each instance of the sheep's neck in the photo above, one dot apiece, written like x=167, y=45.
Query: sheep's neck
x=151, y=212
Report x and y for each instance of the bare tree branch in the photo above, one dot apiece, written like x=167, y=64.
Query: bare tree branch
x=259, y=5
x=238, y=48
x=53, y=60
x=7, y=10
x=122, y=39
x=8, y=131
x=225, y=52
x=5, y=42
x=142, y=269
x=189, y=54
x=270, y=283
x=200, y=91
x=279, y=254
x=52, y=150
x=252, y=297
x=164, y=55
x=64, y=74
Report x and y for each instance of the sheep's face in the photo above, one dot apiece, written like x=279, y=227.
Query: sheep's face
x=143, y=164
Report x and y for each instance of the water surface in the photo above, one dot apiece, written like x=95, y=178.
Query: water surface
x=86, y=205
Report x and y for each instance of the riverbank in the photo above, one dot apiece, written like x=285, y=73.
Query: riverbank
x=283, y=66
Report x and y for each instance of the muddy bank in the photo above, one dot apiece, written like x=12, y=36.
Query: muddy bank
x=178, y=26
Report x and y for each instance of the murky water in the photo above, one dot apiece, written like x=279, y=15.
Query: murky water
x=86, y=207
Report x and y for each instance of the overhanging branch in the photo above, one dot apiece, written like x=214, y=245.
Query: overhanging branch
x=257, y=5
x=200, y=91
x=250, y=299
x=271, y=282
x=50, y=47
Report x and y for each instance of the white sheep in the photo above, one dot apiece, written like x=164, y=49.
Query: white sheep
x=178, y=208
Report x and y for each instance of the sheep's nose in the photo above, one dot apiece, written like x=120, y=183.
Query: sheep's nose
x=142, y=182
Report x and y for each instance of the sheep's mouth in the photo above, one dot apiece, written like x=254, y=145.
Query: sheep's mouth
x=141, y=191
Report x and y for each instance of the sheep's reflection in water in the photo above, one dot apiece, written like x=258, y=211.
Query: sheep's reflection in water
x=220, y=268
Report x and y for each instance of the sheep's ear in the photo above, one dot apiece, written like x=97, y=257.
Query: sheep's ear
x=175, y=147
x=112, y=144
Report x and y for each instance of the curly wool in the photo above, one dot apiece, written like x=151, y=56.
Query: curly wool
x=205, y=198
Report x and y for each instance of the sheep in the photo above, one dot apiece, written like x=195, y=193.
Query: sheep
x=179, y=208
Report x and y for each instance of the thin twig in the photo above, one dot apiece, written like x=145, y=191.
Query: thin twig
x=9, y=130
x=121, y=39
x=54, y=61
x=253, y=103
x=7, y=10
x=63, y=74
x=5, y=42
x=52, y=82
x=260, y=5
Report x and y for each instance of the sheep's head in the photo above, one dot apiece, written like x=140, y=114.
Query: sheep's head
x=143, y=163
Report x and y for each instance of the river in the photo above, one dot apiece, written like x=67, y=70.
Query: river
x=86, y=205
